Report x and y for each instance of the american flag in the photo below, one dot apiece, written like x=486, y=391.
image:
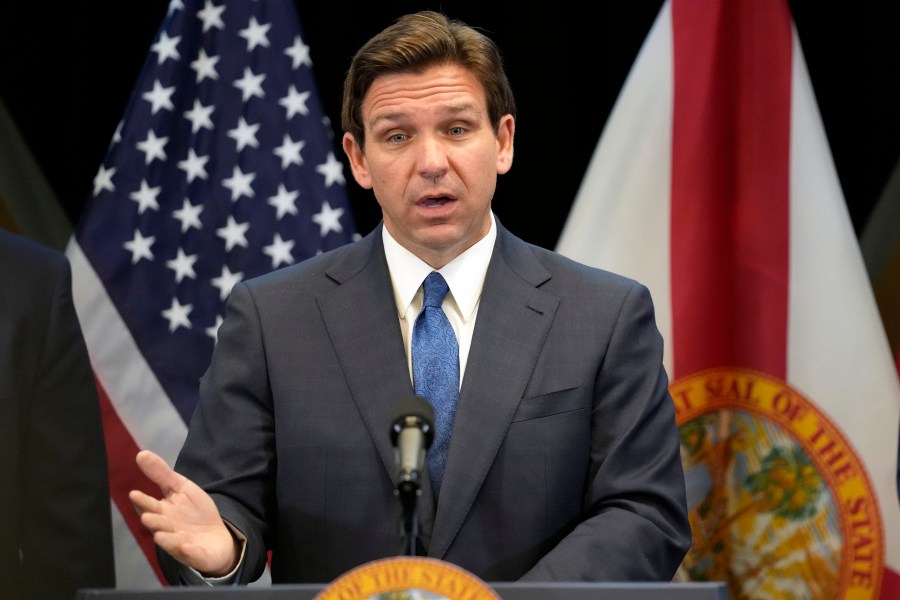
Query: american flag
x=222, y=168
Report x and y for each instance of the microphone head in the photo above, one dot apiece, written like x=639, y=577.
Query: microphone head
x=413, y=411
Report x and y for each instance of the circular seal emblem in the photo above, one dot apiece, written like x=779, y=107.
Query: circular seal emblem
x=780, y=505
x=407, y=578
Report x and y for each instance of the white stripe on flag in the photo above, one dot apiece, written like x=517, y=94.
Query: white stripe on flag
x=838, y=353
x=133, y=571
x=631, y=236
x=133, y=389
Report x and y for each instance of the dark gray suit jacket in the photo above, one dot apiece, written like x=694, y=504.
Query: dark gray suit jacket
x=55, y=521
x=564, y=463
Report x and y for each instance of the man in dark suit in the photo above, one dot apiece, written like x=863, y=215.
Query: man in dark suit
x=55, y=522
x=563, y=460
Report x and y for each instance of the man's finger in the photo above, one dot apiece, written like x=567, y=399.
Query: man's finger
x=157, y=471
x=141, y=501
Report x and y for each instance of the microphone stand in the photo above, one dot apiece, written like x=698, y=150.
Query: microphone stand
x=409, y=492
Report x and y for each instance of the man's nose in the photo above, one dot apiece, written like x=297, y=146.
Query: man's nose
x=433, y=160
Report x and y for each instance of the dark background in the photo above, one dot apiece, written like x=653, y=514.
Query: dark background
x=67, y=70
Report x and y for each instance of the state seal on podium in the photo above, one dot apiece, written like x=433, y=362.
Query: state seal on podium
x=407, y=578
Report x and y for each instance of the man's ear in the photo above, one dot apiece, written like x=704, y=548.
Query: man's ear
x=357, y=161
x=505, y=135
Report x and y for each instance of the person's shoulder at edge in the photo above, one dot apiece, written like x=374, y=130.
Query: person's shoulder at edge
x=14, y=248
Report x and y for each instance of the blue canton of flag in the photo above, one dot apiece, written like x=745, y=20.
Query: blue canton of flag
x=223, y=168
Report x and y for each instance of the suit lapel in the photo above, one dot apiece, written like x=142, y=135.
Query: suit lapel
x=366, y=337
x=514, y=317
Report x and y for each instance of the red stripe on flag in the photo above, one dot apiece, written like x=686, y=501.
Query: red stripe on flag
x=898, y=361
x=125, y=476
x=730, y=178
x=890, y=584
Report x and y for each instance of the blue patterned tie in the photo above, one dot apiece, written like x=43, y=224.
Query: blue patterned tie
x=435, y=359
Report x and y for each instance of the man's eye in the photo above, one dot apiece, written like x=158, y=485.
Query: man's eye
x=397, y=137
x=456, y=131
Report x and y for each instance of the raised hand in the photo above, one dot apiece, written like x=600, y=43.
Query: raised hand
x=185, y=521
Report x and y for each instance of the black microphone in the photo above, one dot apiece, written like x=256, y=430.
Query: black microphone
x=412, y=431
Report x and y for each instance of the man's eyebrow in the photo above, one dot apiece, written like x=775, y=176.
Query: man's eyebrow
x=467, y=107
x=453, y=109
x=391, y=116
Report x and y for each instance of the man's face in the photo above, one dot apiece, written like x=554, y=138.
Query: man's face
x=432, y=159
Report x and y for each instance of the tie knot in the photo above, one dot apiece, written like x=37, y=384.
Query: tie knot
x=435, y=289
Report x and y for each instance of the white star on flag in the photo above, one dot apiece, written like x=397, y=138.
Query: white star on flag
x=139, y=246
x=280, y=251
x=177, y=315
x=211, y=15
x=250, y=85
x=166, y=47
x=255, y=34
x=153, y=147
x=234, y=233
x=333, y=170
x=103, y=180
x=205, y=66
x=183, y=265
x=239, y=183
x=329, y=219
x=289, y=151
x=159, y=97
x=194, y=166
x=226, y=281
x=199, y=116
x=146, y=197
x=299, y=53
x=284, y=201
x=295, y=102
x=189, y=215
x=244, y=134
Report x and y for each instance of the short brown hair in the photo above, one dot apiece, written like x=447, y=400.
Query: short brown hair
x=416, y=42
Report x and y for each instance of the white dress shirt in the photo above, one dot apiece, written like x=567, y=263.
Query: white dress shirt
x=464, y=275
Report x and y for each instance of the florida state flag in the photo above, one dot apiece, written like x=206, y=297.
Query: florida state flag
x=714, y=185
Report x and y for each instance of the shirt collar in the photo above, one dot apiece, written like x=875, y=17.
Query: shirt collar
x=464, y=274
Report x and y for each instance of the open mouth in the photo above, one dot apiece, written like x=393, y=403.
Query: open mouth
x=435, y=201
